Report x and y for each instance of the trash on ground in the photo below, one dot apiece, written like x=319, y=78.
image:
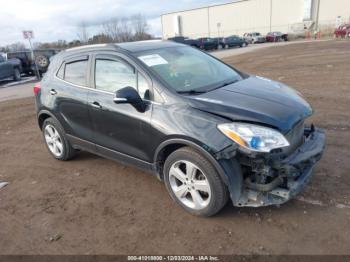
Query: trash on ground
x=3, y=184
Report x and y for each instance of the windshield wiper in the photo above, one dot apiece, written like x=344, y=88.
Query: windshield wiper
x=226, y=84
x=191, y=92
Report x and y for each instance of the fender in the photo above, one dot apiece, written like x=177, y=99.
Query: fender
x=44, y=111
x=229, y=169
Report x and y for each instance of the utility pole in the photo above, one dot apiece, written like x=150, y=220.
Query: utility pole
x=317, y=15
x=270, y=15
x=218, y=26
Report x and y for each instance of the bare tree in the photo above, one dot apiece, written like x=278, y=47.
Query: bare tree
x=83, y=34
x=140, y=27
x=18, y=46
x=118, y=29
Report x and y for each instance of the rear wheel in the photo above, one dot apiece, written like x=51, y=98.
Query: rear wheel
x=194, y=183
x=56, y=141
x=16, y=74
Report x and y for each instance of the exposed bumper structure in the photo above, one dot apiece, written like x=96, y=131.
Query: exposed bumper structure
x=291, y=174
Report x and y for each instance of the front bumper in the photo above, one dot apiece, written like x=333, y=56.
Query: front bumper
x=293, y=173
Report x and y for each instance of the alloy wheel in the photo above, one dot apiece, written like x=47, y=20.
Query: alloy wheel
x=53, y=140
x=189, y=184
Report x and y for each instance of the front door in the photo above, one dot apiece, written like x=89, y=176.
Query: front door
x=119, y=128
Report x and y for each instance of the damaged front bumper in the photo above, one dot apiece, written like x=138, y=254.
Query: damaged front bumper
x=290, y=174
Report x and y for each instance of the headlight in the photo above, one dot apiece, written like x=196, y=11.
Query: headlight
x=253, y=137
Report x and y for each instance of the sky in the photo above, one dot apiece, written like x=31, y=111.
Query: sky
x=53, y=20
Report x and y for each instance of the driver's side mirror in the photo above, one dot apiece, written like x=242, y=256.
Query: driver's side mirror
x=129, y=95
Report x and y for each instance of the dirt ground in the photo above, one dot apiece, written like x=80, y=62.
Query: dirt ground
x=91, y=205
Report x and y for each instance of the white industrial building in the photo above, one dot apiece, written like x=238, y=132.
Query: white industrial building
x=241, y=16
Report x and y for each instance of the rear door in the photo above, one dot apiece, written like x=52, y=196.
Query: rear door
x=119, y=129
x=69, y=94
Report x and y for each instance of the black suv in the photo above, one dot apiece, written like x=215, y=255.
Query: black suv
x=207, y=130
x=42, y=59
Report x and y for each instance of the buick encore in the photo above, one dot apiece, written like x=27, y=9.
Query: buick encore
x=209, y=131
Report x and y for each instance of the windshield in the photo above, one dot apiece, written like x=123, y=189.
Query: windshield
x=186, y=69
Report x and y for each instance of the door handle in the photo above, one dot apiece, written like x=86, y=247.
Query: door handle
x=53, y=92
x=96, y=105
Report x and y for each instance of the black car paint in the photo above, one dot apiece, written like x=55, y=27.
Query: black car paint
x=27, y=61
x=93, y=122
x=231, y=41
x=7, y=67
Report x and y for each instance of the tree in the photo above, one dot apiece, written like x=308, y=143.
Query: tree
x=18, y=46
x=118, y=29
x=140, y=28
x=83, y=34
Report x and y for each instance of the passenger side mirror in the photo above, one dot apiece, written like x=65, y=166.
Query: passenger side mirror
x=129, y=95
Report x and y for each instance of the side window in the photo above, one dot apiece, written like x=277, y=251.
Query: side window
x=75, y=72
x=143, y=87
x=2, y=59
x=60, y=73
x=112, y=75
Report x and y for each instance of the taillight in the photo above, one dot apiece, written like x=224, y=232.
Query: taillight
x=37, y=88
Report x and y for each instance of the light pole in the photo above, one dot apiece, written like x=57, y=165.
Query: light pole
x=218, y=26
x=270, y=15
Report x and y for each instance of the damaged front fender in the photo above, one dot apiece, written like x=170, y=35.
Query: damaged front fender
x=288, y=175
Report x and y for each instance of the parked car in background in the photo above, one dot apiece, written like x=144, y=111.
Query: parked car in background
x=207, y=43
x=186, y=41
x=210, y=132
x=254, y=37
x=342, y=31
x=10, y=68
x=231, y=41
x=276, y=37
x=41, y=58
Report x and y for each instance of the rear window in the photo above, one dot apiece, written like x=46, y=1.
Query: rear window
x=74, y=72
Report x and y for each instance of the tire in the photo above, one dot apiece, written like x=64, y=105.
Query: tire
x=16, y=74
x=42, y=61
x=204, y=176
x=65, y=151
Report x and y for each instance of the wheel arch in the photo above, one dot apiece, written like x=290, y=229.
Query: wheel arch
x=43, y=115
x=229, y=169
x=169, y=146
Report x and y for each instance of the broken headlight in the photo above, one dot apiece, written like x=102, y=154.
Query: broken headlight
x=254, y=137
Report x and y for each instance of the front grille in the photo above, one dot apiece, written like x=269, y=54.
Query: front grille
x=295, y=137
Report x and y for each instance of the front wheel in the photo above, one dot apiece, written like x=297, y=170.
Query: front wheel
x=193, y=182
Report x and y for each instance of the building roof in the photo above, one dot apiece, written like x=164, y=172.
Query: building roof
x=208, y=6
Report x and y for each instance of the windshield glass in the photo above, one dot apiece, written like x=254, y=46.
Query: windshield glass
x=186, y=69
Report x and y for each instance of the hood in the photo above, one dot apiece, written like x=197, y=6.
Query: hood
x=255, y=99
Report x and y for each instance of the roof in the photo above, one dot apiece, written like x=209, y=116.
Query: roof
x=128, y=46
x=208, y=6
x=146, y=45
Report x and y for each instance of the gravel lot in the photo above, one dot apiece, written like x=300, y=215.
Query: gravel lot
x=92, y=205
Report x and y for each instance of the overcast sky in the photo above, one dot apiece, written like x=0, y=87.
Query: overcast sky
x=53, y=20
